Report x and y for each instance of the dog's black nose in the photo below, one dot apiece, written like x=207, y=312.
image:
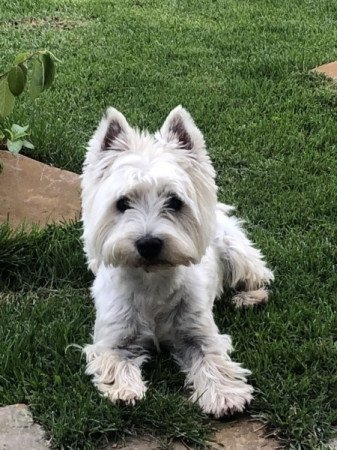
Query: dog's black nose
x=149, y=247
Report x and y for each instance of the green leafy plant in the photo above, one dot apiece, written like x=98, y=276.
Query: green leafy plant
x=14, y=81
x=16, y=138
x=41, y=65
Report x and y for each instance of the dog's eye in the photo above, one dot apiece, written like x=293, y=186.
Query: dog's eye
x=174, y=203
x=123, y=204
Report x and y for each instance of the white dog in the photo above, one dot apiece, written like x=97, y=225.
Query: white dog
x=162, y=249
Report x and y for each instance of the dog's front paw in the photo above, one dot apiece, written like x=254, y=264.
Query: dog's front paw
x=126, y=393
x=116, y=377
x=220, y=400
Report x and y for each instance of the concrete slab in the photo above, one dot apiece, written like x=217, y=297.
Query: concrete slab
x=17, y=430
x=329, y=70
x=243, y=434
x=34, y=193
x=332, y=445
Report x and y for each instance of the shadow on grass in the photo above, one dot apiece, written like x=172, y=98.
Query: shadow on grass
x=50, y=257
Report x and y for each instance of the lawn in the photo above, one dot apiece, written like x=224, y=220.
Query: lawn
x=242, y=68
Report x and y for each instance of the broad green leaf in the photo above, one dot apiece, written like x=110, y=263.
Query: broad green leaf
x=27, y=144
x=16, y=80
x=8, y=133
x=16, y=136
x=18, y=128
x=7, y=99
x=24, y=68
x=49, y=70
x=2, y=136
x=14, y=146
x=21, y=57
x=37, y=80
x=47, y=52
x=18, y=133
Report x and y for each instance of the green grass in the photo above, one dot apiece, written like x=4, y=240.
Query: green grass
x=242, y=69
x=35, y=258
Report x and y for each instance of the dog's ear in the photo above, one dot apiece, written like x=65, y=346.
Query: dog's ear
x=111, y=133
x=180, y=127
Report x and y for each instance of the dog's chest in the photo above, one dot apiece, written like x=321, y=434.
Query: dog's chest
x=154, y=295
x=154, y=300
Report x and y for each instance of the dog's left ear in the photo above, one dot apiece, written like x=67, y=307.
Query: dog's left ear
x=180, y=127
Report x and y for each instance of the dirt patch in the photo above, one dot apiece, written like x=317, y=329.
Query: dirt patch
x=36, y=22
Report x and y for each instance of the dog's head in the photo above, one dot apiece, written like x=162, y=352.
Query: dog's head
x=147, y=200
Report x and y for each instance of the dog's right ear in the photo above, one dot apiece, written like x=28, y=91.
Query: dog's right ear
x=111, y=133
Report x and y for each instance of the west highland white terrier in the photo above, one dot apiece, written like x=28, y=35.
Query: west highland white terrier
x=162, y=248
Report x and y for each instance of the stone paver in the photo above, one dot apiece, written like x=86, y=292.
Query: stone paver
x=333, y=444
x=35, y=193
x=330, y=70
x=17, y=430
x=143, y=444
x=243, y=434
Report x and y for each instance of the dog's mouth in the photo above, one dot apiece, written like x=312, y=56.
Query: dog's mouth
x=155, y=265
x=161, y=264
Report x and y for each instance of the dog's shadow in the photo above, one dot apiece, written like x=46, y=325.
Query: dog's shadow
x=163, y=373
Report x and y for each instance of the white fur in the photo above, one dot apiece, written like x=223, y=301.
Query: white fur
x=140, y=303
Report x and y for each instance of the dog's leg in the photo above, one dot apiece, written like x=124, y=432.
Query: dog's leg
x=244, y=267
x=114, y=359
x=219, y=384
x=116, y=373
